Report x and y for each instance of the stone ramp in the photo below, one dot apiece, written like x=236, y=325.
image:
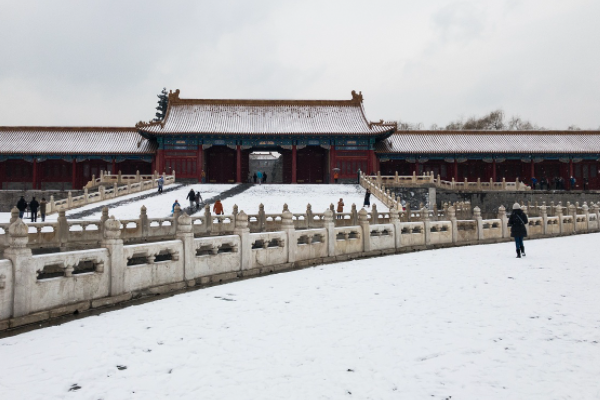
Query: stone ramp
x=94, y=210
x=234, y=191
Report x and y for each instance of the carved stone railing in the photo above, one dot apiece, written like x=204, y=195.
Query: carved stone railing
x=39, y=287
x=107, y=178
x=134, y=185
x=428, y=180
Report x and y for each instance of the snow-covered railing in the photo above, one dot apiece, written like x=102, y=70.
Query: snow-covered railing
x=107, y=178
x=122, y=185
x=381, y=182
x=38, y=287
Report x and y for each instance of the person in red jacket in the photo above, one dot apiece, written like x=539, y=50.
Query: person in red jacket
x=218, y=207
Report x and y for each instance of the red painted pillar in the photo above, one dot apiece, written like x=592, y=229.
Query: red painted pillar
x=113, y=168
x=331, y=162
x=375, y=161
x=160, y=161
x=570, y=174
x=294, y=163
x=74, y=174
x=35, y=177
x=532, y=170
x=199, y=163
x=494, y=170
x=239, y=164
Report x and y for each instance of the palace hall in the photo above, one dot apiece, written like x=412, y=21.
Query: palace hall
x=214, y=138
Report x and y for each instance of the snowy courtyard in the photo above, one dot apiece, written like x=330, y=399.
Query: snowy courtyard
x=470, y=322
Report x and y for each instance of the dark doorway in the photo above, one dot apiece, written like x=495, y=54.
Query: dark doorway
x=311, y=165
x=221, y=164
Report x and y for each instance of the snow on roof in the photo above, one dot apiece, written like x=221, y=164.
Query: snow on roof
x=431, y=142
x=266, y=117
x=73, y=140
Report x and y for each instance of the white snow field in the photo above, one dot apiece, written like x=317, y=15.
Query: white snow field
x=274, y=196
x=471, y=323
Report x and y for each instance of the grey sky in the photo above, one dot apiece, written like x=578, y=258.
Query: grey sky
x=103, y=62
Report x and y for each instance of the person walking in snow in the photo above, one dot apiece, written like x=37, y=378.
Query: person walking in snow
x=254, y=177
x=176, y=204
x=367, y=202
x=340, y=209
x=259, y=176
x=161, y=183
x=264, y=177
x=34, y=206
x=518, y=228
x=191, y=197
x=218, y=207
x=198, y=199
x=22, y=206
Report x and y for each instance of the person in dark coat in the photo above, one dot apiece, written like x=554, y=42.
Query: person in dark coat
x=191, y=197
x=264, y=177
x=22, y=206
x=34, y=206
x=518, y=228
x=254, y=176
x=43, y=205
x=367, y=202
x=198, y=199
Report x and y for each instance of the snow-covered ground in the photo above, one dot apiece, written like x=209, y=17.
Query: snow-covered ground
x=470, y=322
x=297, y=197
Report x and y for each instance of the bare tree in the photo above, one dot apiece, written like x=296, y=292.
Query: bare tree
x=407, y=126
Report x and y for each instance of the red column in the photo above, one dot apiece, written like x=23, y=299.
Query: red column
x=35, y=177
x=294, y=163
x=331, y=162
x=494, y=170
x=113, y=168
x=375, y=161
x=239, y=164
x=160, y=161
x=570, y=174
x=199, y=163
x=532, y=169
x=74, y=174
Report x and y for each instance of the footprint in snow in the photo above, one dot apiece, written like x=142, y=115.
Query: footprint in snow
x=74, y=387
x=121, y=367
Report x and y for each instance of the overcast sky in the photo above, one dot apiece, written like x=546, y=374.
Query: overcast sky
x=102, y=63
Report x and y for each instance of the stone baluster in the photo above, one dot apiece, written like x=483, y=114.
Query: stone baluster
x=544, y=214
x=353, y=215
x=287, y=226
x=117, y=263
x=69, y=200
x=207, y=219
x=101, y=192
x=234, y=214
x=454, y=223
x=395, y=221
x=262, y=219
x=14, y=214
x=586, y=213
x=144, y=223
x=86, y=196
x=559, y=214
x=329, y=225
x=115, y=189
x=572, y=210
x=363, y=221
x=426, y=225
x=503, y=221
x=479, y=221
x=241, y=229
x=374, y=214
x=332, y=208
x=185, y=234
x=24, y=267
x=119, y=178
x=62, y=230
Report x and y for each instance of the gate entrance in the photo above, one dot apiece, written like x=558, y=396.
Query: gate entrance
x=311, y=165
x=221, y=162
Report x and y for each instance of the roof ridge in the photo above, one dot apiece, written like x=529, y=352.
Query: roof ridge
x=68, y=128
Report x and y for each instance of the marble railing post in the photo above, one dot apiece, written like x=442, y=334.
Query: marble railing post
x=62, y=230
x=503, y=221
x=145, y=225
x=330, y=226
x=363, y=221
x=395, y=220
x=185, y=234
x=426, y=225
x=596, y=210
x=479, y=221
x=241, y=229
x=86, y=196
x=287, y=226
x=207, y=219
x=309, y=216
x=374, y=215
x=353, y=215
x=24, y=276
x=572, y=210
x=51, y=205
x=586, y=212
x=262, y=219
x=332, y=208
x=454, y=223
x=559, y=214
x=544, y=215
x=69, y=200
x=101, y=191
x=14, y=214
x=117, y=263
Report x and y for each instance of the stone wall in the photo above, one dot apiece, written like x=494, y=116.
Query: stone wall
x=39, y=287
x=489, y=202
